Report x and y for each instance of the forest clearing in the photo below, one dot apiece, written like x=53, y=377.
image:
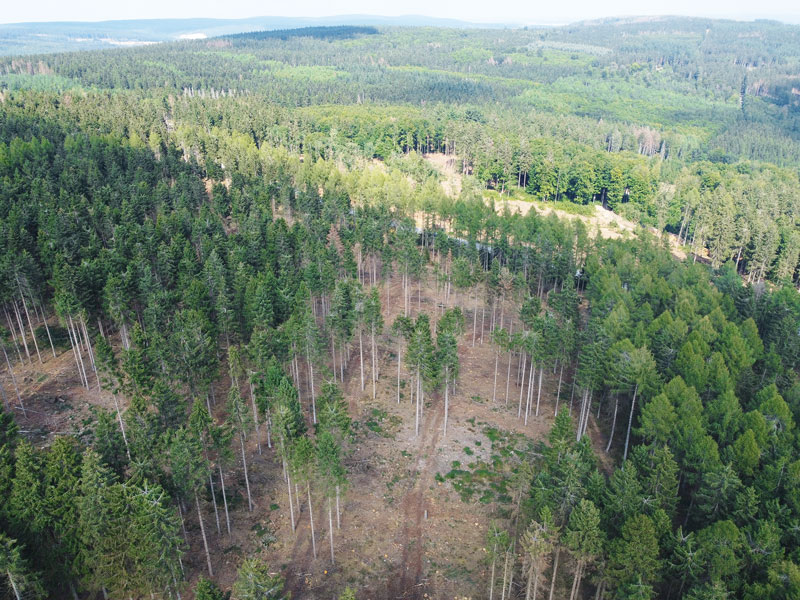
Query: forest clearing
x=378, y=313
x=404, y=533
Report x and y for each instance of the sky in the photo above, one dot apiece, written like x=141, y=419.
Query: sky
x=495, y=11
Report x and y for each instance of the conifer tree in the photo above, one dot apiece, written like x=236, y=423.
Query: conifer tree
x=221, y=436
x=24, y=582
x=287, y=433
x=449, y=329
x=331, y=474
x=188, y=468
x=151, y=553
x=207, y=590
x=109, y=379
x=633, y=557
x=201, y=426
x=341, y=321
x=497, y=543
x=421, y=361
x=303, y=467
x=308, y=338
x=254, y=581
x=584, y=539
x=98, y=492
x=537, y=542
x=402, y=329
x=500, y=338
x=239, y=420
x=335, y=420
x=374, y=323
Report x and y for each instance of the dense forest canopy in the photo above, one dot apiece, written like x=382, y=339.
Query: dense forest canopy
x=260, y=271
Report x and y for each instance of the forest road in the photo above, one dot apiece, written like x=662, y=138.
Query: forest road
x=409, y=584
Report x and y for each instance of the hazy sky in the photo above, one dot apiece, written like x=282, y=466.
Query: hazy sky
x=507, y=11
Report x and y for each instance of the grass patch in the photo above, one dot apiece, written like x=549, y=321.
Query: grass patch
x=264, y=534
x=393, y=482
x=488, y=481
x=382, y=423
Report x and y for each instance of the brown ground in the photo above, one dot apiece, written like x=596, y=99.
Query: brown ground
x=55, y=400
x=403, y=534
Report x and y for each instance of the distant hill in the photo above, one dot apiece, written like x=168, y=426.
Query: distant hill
x=35, y=38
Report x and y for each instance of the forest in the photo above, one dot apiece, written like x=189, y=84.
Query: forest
x=404, y=312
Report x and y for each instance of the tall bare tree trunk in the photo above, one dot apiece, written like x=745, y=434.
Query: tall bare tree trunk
x=361, y=356
x=576, y=583
x=76, y=348
x=491, y=581
x=399, y=355
x=530, y=581
x=508, y=375
x=47, y=329
x=311, y=381
x=14, y=380
x=494, y=387
x=203, y=533
x=30, y=325
x=224, y=500
x=613, y=423
x=22, y=331
x=505, y=575
x=560, y=378
x=446, y=399
x=289, y=487
x=311, y=520
x=13, y=585
x=214, y=500
x=555, y=572
x=330, y=528
x=333, y=358
x=13, y=331
x=255, y=417
x=374, y=364
x=90, y=350
x=121, y=426
x=530, y=392
x=124, y=333
x=630, y=422
x=246, y=478
x=416, y=408
x=539, y=393
x=338, y=513
x=475, y=319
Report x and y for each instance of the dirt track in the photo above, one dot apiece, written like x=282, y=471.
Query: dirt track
x=410, y=584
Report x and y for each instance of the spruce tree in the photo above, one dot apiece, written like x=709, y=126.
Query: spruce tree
x=24, y=582
x=255, y=581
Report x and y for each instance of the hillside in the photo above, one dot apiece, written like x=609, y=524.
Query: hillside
x=38, y=38
x=363, y=311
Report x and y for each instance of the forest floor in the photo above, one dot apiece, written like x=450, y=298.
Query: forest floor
x=406, y=532
x=55, y=399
